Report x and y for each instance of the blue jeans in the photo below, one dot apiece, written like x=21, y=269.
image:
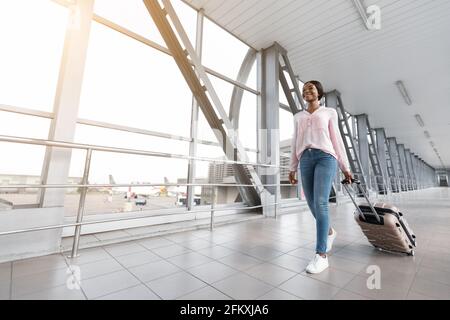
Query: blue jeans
x=317, y=170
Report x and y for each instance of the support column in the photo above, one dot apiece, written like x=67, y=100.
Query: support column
x=401, y=151
x=194, y=119
x=57, y=160
x=413, y=169
x=397, y=163
x=382, y=150
x=419, y=171
x=363, y=147
x=268, y=127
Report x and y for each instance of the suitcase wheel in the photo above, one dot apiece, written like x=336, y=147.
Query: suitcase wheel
x=412, y=253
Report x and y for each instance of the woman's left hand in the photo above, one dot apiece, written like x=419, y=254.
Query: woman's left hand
x=348, y=176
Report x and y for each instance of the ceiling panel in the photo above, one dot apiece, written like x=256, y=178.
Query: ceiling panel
x=327, y=40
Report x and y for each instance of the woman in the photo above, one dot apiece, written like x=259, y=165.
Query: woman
x=317, y=148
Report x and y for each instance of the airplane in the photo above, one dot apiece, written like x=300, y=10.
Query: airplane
x=132, y=192
x=146, y=191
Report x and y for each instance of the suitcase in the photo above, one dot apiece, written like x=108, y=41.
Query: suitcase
x=383, y=224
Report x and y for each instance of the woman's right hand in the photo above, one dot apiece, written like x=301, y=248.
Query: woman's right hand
x=292, y=179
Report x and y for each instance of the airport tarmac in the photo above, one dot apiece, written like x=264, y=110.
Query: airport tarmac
x=96, y=203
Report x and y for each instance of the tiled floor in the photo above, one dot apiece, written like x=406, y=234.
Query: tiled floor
x=259, y=259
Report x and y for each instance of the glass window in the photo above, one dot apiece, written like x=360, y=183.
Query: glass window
x=148, y=169
x=223, y=52
x=286, y=125
x=131, y=84
x=248, y=120
x=115, y=168
x=21, y=163
x=133, y=15
x=32, y=37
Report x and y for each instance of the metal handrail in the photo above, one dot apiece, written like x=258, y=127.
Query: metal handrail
x=84, y=185
x=71, y=145
x=91, y=186
x=4, y=233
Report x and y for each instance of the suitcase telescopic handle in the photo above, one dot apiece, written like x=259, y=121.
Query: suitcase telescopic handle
x=345, y=183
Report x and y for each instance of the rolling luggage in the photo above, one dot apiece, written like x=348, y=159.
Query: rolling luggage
x=383, y=224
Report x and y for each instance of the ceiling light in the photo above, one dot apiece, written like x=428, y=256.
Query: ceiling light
x=427, y=134
x=404, y=92
x=419, y=120
x=432, y=143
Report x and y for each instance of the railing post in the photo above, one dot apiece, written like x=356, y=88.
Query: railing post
x=276, y=206
x=213, y=206
x=76, y=237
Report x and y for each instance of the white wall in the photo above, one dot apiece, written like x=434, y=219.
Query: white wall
x=29, y=244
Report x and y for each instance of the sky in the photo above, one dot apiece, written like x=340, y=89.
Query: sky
x=125, y=83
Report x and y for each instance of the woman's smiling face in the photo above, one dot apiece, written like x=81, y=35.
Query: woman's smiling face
x=310, y=92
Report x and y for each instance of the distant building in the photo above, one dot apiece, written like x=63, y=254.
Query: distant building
x=223, y=173
x=19, y=179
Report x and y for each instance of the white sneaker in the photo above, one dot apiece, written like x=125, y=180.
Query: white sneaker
x=317, y=264
x=330, y=240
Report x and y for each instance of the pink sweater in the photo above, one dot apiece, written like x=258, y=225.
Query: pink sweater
x=319, y=131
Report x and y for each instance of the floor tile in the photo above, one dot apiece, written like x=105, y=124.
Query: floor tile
x=180, y=237
x=189, y=260
x=212, y=271
x=348, y=295
x=123, y=249
x=440, y=263
x=137, y=259
x=431, y=289
x=302, y=253
x=263, y=253
x=57, y=293
x=205, y=293
x=109, y=283
x=39, y=281
x=98, y=268
x=216, y=252
x=140, y=292
x=270, y=273
x=171, y=251
x=153, y=243
x=277, y=294
x=417, y=296
x=309, y=289
x=334, y=277
x=346, y=265
x=38, y=265
x=154, y=270
x=175, y=285
x=239, y=261
x=360, y=285
x=88, y=256
x=291, y=263
x=242, y=287
x=391, y=276
x=434, y=275
x=197, y=244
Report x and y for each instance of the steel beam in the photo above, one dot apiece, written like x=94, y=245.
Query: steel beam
x=411, y=169
x=236, y=96
x=268, y=125
x=194, y=118
x=363, y=146
x=402, y=154
x=57, y=161
x=205, y=95
x=333, y=100
x=396, y=161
